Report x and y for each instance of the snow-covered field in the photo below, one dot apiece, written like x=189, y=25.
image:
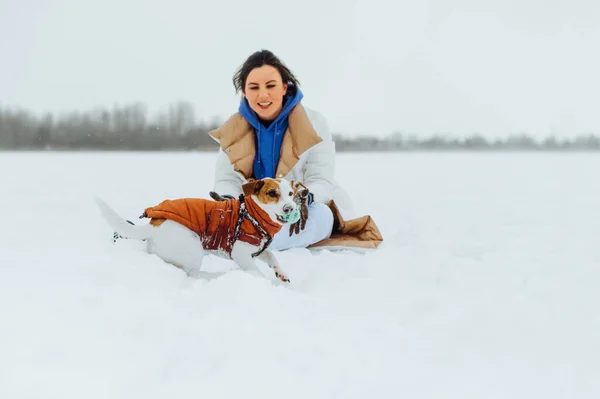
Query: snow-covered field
x=487, y=286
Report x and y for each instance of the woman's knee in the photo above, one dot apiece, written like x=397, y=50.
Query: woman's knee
x=322, y=216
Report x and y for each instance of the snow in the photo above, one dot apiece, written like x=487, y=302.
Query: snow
x=486, y=285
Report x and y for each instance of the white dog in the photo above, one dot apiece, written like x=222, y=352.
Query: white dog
x=181, y=230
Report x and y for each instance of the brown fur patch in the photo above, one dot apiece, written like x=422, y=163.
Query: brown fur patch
x=156, y=222
x=269, y=192
x=251, y=187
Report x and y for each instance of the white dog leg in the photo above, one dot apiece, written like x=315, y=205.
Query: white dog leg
x=178, y=245
x=241, y=253
x=193, y=264
x=271, y=260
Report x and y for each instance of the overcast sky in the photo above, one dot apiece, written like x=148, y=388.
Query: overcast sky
x=459, y=66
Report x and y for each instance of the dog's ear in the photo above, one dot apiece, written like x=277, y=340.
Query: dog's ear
x=252, y=187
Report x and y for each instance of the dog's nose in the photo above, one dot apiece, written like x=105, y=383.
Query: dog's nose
x=287, y=209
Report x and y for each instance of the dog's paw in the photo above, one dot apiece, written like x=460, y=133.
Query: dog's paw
x=280, y=275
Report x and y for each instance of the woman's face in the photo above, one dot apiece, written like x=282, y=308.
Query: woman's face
x=264, y=91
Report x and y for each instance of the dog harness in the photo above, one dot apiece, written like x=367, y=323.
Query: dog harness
x=219, y=224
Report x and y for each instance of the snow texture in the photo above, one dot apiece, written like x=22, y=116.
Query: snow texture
x=486, y=286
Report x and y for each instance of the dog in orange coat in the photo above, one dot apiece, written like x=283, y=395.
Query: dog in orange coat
x=181, y=231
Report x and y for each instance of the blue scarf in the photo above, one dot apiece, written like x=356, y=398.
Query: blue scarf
x=268, y=139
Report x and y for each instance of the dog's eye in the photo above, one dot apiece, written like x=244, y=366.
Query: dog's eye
x=272, y=193
x=291, y=194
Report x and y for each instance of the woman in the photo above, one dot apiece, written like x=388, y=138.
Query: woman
x=273, y=135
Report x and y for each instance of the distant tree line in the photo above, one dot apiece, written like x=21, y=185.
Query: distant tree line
x=474, y=142
x=126, y=127
x=177, y=128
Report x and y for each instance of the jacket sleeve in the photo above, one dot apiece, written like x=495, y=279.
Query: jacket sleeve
x=227, y=180
x=319, y=167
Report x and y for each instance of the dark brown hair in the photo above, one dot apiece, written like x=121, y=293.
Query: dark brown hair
x=258, y=59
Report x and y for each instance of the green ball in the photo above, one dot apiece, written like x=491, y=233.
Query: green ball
x=292, y=217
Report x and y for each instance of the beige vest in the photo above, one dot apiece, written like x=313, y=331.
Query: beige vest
x=236, y=137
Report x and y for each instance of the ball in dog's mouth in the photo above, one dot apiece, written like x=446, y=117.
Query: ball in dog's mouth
x=291, y=217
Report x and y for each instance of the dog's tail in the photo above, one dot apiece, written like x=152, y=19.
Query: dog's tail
x=121, y=226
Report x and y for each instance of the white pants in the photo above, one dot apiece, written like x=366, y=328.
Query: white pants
x=318, y=227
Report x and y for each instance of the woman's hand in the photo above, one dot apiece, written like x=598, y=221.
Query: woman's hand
x=301, y=196
x=218, y=197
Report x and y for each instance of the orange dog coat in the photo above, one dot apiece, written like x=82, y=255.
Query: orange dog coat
x=219, y=223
